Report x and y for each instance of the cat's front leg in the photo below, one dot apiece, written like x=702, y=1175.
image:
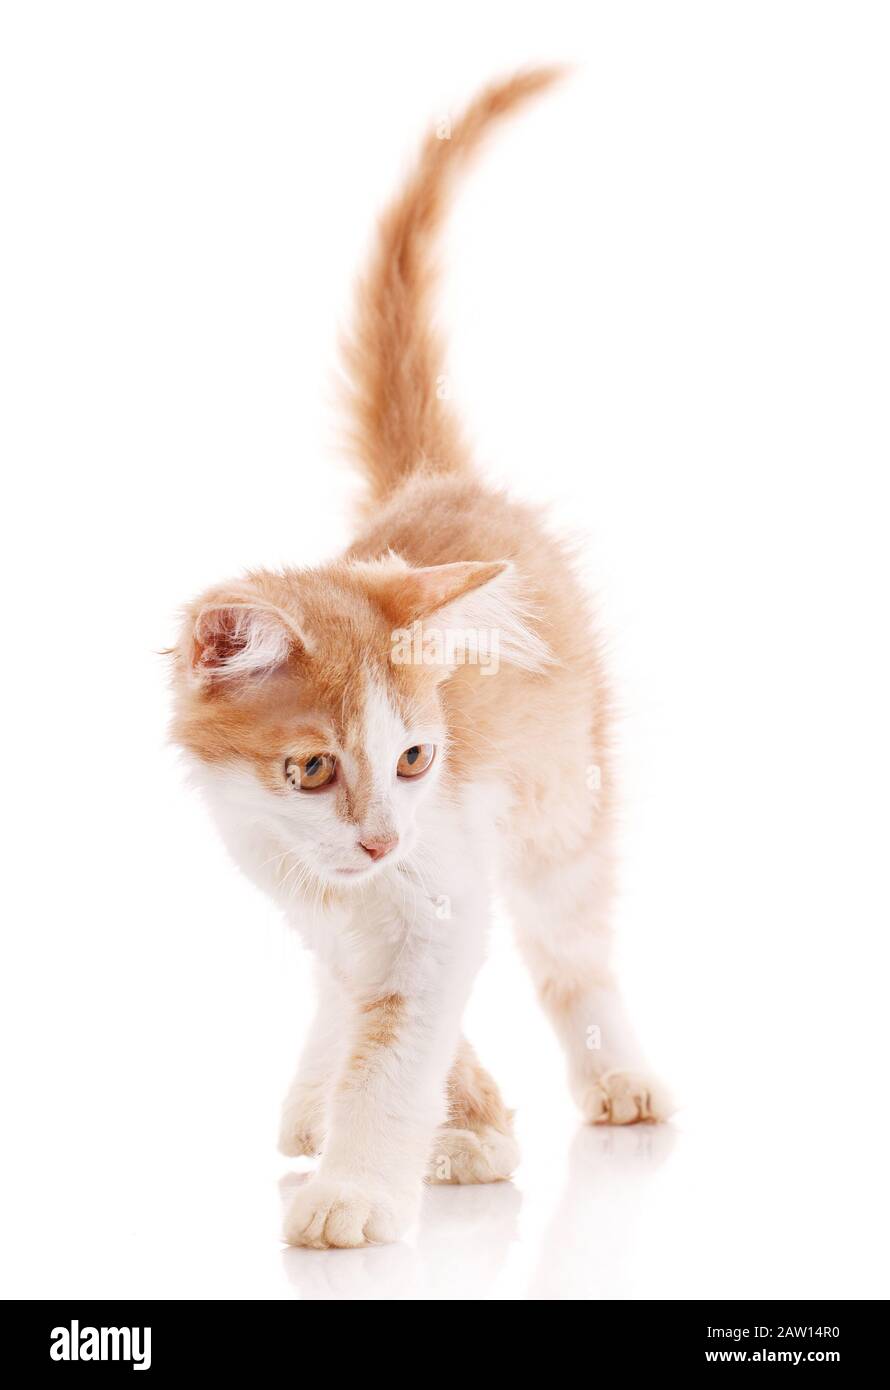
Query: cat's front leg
x=390, y=1093
x=303, y=1115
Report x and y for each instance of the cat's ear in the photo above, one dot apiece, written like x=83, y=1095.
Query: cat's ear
x=241, y=641
x=470, y=605
x=409, y=595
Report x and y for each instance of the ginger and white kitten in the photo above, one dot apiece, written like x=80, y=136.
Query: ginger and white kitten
x=362, y=732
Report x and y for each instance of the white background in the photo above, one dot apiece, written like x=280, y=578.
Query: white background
x=668, y=296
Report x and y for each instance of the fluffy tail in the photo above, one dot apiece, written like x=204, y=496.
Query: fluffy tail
x=400, y=423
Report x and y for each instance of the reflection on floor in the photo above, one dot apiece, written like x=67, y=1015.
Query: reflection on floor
x=465, y=1233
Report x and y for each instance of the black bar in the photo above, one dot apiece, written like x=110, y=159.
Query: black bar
x=65, y=1338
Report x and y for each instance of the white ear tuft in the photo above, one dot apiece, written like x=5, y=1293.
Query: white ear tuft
x=233, y=640
x=496, y=618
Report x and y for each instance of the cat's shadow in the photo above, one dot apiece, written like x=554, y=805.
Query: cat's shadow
x=465, y=1233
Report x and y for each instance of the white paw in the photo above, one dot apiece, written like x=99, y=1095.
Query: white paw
x=468, y=1156
x=328, y=1213
x=623, y=1098
x=302, y=1124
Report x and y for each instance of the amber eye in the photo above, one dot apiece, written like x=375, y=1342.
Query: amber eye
x=416, y=760
x=310, y=774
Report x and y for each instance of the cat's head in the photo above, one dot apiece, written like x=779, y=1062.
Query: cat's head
x=315, y=713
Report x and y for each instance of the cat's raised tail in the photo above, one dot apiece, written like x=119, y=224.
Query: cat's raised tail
x=400, y=419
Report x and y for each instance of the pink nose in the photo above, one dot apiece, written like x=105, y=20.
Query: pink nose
x=378, y=846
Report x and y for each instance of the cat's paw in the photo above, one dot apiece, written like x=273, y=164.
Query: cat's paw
x=471, y=1156
x=327, y=1213
x=624, y=1098
x=301, y=1131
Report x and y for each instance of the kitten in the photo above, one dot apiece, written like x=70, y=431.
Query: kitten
x=364, y=735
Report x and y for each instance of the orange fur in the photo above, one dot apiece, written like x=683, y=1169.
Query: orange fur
x=378, y=1028
x=473, y=1097
x=400, y=425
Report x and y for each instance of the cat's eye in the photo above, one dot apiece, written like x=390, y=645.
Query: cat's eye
x=416, y=759
x=310, y=774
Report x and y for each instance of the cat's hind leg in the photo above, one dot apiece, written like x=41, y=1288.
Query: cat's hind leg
x=561, y=903
x=476, y=1143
